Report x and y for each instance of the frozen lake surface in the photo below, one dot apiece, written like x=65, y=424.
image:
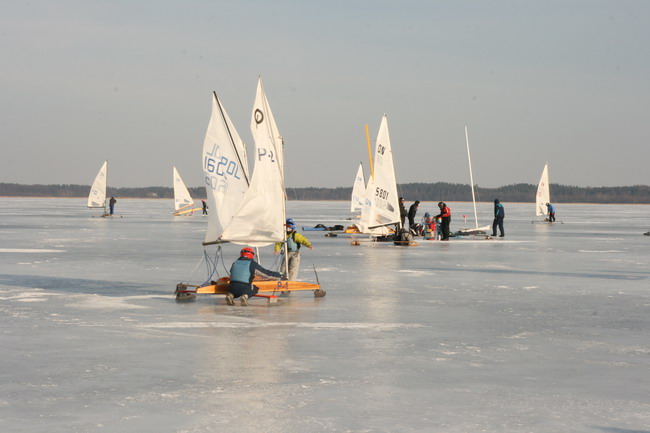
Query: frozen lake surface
x=546, y=330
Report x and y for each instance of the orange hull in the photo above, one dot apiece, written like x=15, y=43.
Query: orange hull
x=266, y=286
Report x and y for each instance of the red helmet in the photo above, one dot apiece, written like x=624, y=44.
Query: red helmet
x=247, y=252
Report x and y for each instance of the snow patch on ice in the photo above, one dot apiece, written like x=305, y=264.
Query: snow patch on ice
x=599, y=251
x=320, y=325
x=29, y=250
x=99, y=302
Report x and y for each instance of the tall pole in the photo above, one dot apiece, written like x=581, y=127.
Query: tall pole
x=372, y=167
x=471, y=177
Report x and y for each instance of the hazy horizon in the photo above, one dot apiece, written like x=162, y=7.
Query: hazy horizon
x=131, y=82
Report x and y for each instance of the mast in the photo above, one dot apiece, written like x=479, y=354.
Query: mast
x=471, y=177
x=106, y=189
x=372, y=168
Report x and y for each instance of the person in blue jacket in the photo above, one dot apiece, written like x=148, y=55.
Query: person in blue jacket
x=242, y=273
x=499, y=215
x=551, y=212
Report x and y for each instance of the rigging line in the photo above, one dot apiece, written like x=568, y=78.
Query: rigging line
x=223, y=263
x=190, y=273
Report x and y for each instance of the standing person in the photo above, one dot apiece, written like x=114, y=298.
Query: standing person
x=412, y=211
x=499, y=214
x=205, y=207
x=242, y=274
x=551, y=212
x=445, y=215
x=111, y=205
x=402, y=210
x=294, y=241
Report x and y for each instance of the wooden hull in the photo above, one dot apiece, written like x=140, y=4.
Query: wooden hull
x=266, y=286
x=269, y=289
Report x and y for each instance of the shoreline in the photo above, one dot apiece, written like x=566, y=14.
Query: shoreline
x=342, y=201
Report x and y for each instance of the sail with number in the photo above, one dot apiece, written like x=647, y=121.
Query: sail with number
x=543, y=195
x=358, y=191
x=225, y=169
x=183, y=202
x=259, y=219
x=97, y=196
x=381, y=208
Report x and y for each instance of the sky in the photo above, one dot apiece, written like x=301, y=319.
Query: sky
x=130, y=81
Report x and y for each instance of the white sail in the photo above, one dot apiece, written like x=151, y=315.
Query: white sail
x=97, y=196
x=385, y=194
x=358, y=191
x=260, y=218
x=381, y=208
x=225, y=167
x=543, y=193
x=182, y=199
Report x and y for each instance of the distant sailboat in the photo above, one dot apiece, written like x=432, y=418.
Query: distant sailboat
x=381, y=205
x=543, y=195
x=476, y=230
x=183, y=203
x=358, y=191
x=97, y=195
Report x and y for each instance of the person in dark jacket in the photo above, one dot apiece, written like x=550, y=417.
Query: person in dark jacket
x=499, y=214
x=551, y=212
x=242, y=273
x=402, y=210
x=445, y=215
x=205, y=207
x=111, y=205
x=412, y=211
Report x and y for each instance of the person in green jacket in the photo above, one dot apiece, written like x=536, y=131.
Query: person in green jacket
x=294, y=241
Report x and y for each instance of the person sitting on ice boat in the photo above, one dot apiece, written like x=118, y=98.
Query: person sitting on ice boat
x=294, y=241
x=428, y=226
x=551, y=212
x=242, y=273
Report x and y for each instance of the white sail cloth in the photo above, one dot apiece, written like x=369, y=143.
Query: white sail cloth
x=182, y=197
x=358, y=191
x=225, y=169
x=97, y=196
x=259, y=219
x=381, y=206
x=543, y=195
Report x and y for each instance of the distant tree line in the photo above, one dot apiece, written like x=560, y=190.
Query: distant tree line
x=441, y=191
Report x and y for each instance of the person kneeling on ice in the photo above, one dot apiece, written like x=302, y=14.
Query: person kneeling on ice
x=294, y=241
x=242, y=273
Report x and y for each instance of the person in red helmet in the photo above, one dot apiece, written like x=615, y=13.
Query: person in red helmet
x=242, y=273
